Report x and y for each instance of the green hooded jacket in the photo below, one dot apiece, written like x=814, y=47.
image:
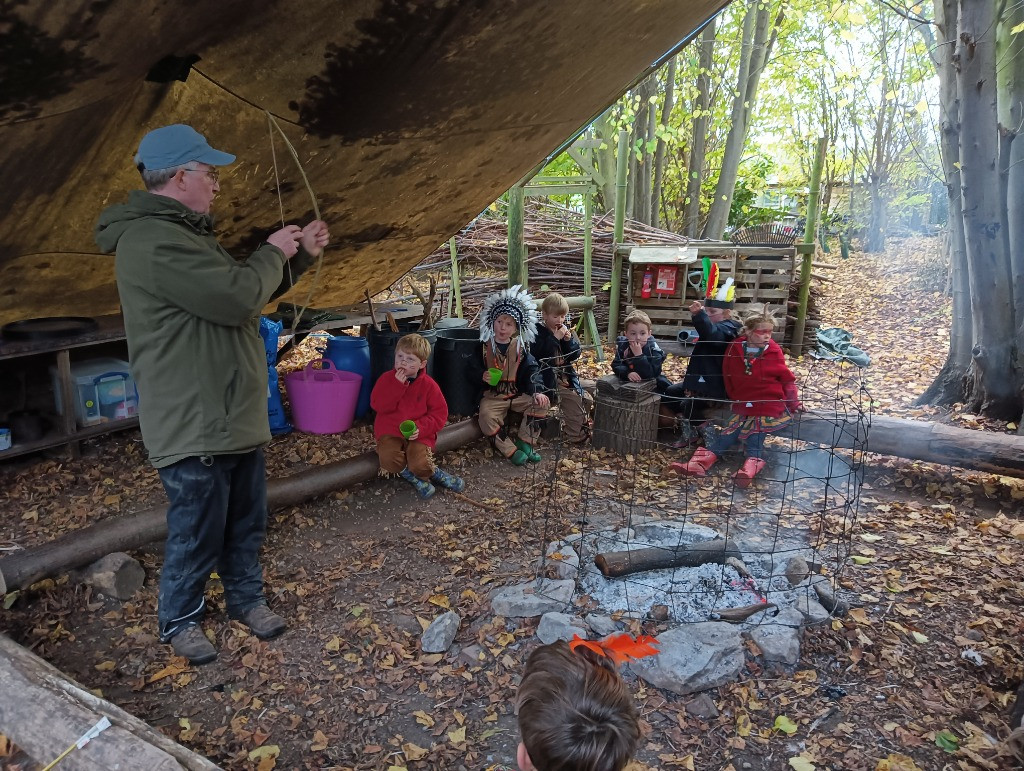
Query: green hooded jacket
x=191, y=314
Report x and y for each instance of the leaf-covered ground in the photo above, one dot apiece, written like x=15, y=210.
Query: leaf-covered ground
x=918, y=675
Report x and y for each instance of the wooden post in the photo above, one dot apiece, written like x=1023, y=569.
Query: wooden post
x=810, y=233
x=517, y=273
x=589, y=320
x=456, y=288
x=622, y=164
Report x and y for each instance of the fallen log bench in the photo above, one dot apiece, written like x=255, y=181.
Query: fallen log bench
x=44, y=712
x=134, y=531
x=988, y=451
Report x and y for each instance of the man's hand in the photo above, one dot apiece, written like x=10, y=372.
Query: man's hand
x=696, y=306
x=634, y=377
x=315, y=237
x=286, y=239
x=541, y=400
x=636, y=349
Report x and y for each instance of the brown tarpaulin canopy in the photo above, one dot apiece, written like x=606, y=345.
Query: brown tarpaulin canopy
x=409, y=118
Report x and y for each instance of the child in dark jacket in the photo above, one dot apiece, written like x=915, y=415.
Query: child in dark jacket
x=638, y=355
x=510, y=375
x=556, y=348
x=702, y=389
x=764, y=394
x=408, y=393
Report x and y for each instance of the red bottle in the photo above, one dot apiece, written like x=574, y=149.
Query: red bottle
x=645, y=290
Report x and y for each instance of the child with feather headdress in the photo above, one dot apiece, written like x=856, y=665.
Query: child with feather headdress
x=510, y=375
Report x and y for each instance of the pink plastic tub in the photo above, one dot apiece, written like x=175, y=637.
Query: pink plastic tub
x=323, y=400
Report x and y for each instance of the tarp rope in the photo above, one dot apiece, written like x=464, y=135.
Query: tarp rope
x=271, y=125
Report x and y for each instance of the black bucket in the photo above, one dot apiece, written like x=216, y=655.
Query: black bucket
x=382, y=346
x=457, y=352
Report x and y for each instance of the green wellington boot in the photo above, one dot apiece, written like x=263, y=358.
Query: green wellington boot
x=531, y=454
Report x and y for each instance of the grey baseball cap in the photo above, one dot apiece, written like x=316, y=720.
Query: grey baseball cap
x=175, y=145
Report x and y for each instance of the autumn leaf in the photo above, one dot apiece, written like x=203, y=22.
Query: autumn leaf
x=106, y=666
x=918, y=637
x=743, y=724
x=441, y=601
x=414, y=751
x=947, y=741
x=897, y=762
x=334, y=644
x=458, y=736
x=784, y=724
x=171, y=670
x=423, y=718
x=320, y=741
x=800, y=763
x=266, y=755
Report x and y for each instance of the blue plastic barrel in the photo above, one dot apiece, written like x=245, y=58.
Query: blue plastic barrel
x=352, y=354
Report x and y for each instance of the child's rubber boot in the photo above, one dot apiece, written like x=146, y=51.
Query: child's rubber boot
x=531, y=454
x=698, y=464
x=423, y=487
x=519, y=458
x=443, y=479
x=751, y=468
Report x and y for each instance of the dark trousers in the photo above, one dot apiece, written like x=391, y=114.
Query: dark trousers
x=755, y=443
x=216, y=519
x=687, y=405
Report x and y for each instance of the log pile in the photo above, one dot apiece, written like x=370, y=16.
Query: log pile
x=553, y=236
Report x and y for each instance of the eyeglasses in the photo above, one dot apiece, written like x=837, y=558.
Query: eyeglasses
x=213, y=174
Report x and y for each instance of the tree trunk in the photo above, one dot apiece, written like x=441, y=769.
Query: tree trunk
x=133, y=531
x=623, y=563
x=754, y=54
x=604, y=129
x=698, y=140
x=44, y=713
x=948, y=387
x=659, y=156
x=875, y=240
x=625, y=415
x=992, y=385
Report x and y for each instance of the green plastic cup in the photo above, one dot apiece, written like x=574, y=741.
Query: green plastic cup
x=407, y=427
x=495, y=374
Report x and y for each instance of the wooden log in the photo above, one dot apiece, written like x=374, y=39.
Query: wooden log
x=917, y=440
x=623, y=563
x=736, y=615
x=625, y=415
x=133, y=531
x=44, y=712
x=116, y=575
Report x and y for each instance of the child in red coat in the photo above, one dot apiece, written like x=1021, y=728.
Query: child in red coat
x=764, y=398
x=408, y=393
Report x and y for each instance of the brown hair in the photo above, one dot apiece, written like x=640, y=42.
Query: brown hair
x=575, y=712
x=553, y=304
x=415, y=344
x=759, y=314
x=637, y=317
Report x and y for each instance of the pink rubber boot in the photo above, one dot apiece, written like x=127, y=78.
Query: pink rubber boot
x=698, y=464
x=751, y=468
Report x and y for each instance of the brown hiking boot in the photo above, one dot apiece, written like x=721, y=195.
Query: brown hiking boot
x=191, y=643
x=262, y=621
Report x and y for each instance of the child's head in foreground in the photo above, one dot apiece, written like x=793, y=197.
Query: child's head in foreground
x=637, y=326
x=575, y=712
x=554, y=309
x=411, y=354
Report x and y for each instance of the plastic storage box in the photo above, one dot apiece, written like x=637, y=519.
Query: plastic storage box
x=104, y=390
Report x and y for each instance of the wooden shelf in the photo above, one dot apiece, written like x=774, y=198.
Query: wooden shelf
x=56, y=438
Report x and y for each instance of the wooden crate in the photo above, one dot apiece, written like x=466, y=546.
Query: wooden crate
x=761, y=275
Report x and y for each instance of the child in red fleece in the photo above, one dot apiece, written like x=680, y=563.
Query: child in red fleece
x=409, y=393
x=764, y=396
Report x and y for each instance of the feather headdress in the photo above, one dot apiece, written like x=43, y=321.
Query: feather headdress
x=515, y=302
x=719, y=297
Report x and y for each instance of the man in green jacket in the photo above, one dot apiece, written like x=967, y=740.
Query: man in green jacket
x=191, y=315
